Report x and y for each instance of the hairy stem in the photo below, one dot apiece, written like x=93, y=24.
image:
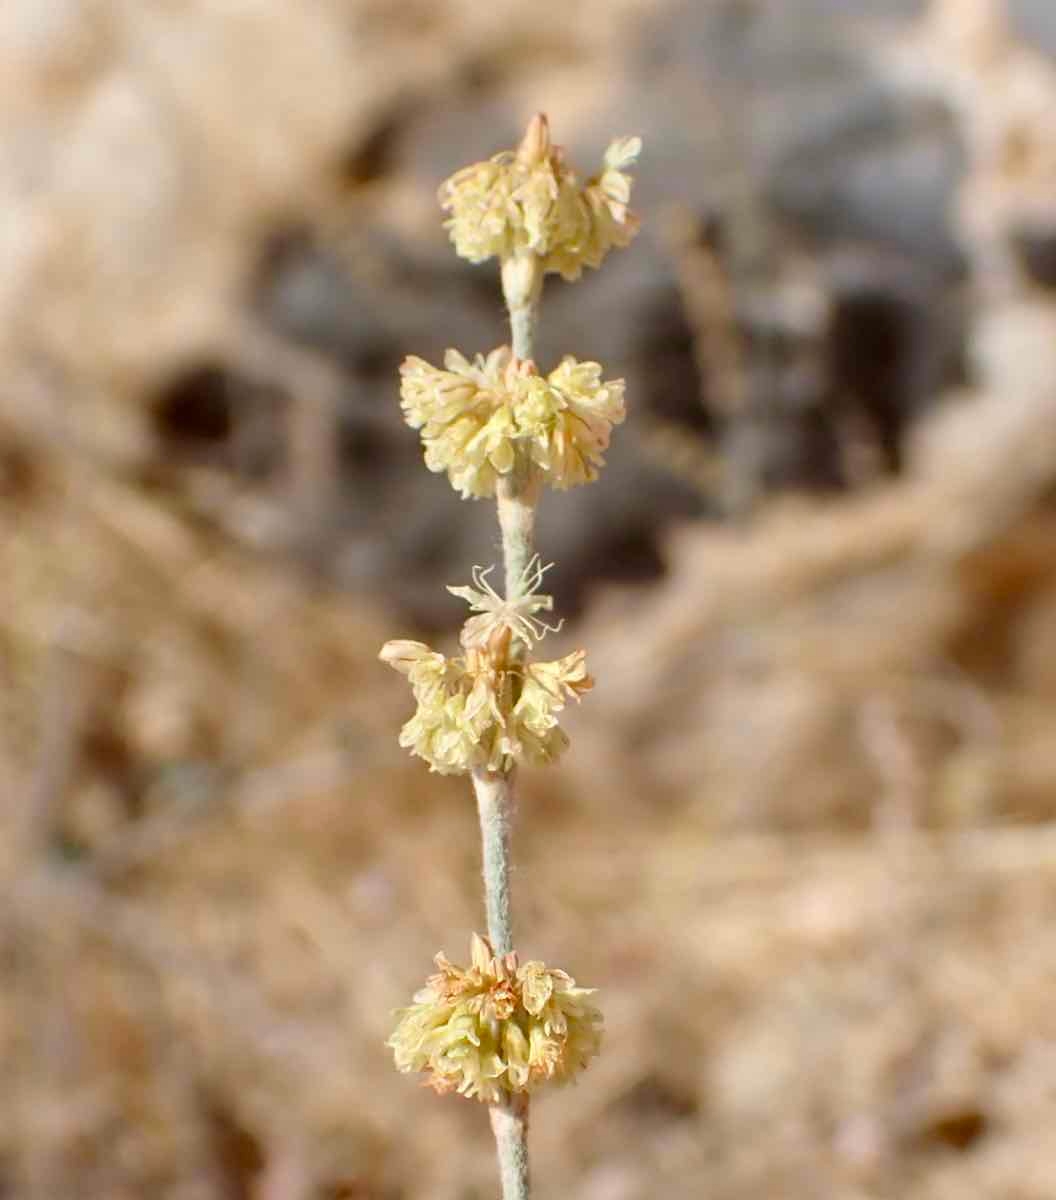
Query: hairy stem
x=518, y=492
x=517, y=496
x=495, y=800
x=522, y=289
x=509, y=1117
x=522, y=329
x=509, y=1123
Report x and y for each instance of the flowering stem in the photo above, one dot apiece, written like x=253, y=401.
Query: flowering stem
x=509, y=1117
x=496, y=423
x=517, y=495
x=518, y=492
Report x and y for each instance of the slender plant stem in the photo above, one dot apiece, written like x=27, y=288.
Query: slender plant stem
x=509, y=1123
x=522, y=328
x=495, y=798
x=517, y=496
x=518, y=492
x=522, y=289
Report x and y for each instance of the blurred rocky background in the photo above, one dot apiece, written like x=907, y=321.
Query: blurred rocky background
x=805, y=838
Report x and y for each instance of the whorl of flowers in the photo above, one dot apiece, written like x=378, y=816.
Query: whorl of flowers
x=530, y=201
x=487, y=710
x=473, y=416
x=496, y=1026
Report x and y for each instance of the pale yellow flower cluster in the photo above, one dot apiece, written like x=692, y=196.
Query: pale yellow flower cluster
x=484, y=710
x=497, y=1027
x=473, y=416
x=530, y=201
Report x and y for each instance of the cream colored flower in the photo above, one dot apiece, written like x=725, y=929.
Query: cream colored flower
x=496, y=1027
x=474, y=415
x=496, y=613
x=465, y=415
x=545, y=688
x=530, y=201
x=567, y=420
x=484, y=711
x=605, y=221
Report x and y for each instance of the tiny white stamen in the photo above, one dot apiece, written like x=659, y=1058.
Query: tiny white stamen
x=498, y=613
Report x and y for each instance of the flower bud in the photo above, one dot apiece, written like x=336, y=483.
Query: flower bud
x=534, y=148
